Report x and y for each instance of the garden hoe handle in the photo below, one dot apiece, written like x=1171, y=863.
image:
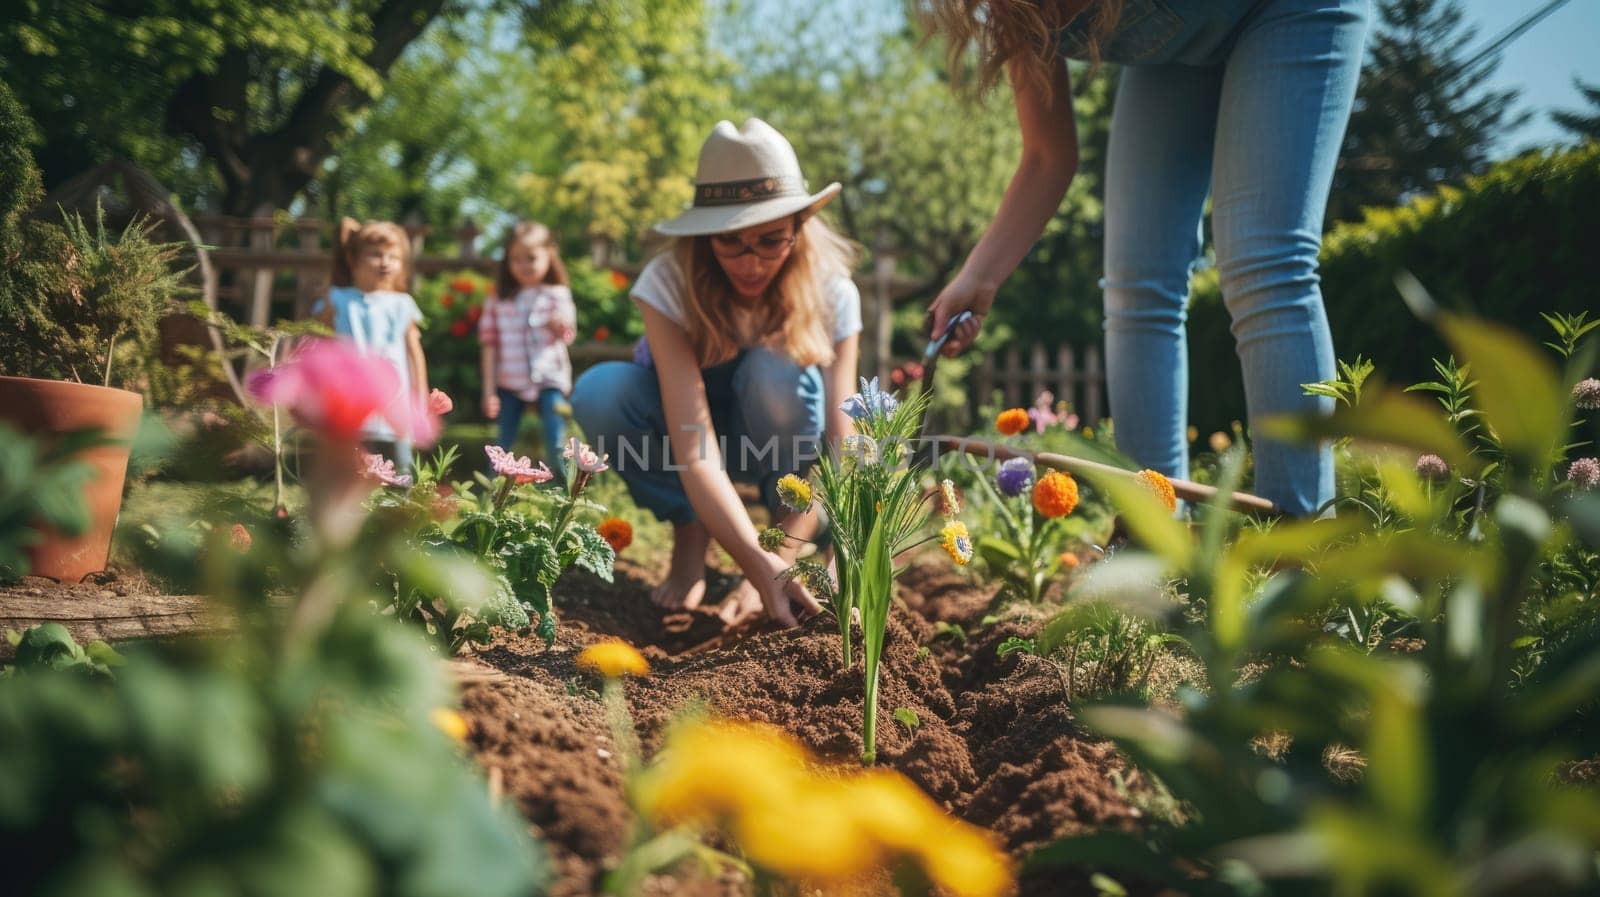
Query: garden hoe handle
x=930, y=361
x=1195, y=493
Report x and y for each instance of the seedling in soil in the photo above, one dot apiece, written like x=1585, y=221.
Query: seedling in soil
x=907, y=717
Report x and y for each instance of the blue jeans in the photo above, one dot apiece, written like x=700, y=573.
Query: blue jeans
x=1252, y=113
x=767, y=412
x=550, y=421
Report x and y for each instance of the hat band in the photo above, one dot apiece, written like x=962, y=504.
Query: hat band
x=730, y=193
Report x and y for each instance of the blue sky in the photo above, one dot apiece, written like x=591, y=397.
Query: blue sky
x=1543, y=61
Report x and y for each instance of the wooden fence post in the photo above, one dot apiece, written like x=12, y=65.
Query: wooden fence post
x=309, y=283
x=1094, y=380
x=260, y=283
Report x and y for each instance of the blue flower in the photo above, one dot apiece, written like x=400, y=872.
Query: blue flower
x=870, y=402
x=1015, y=476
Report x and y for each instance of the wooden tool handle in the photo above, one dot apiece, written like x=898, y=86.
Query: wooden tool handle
x=1187, y=490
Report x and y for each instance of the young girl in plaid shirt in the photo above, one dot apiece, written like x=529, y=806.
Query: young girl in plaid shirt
x=525, y=330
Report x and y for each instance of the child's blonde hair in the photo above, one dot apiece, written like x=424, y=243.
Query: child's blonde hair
x=354, y=236
x=796, y=307
x=538, y=235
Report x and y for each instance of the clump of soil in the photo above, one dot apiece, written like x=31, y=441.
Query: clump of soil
x=996, y=743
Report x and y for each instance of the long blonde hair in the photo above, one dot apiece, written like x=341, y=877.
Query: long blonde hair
x=1028, y=31
x=353, y=236
x=795, y=315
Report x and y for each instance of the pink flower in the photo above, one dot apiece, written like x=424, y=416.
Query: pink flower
x=334, y=388
x=239, y=538
x=1584, y=473
x=587, y=459
x=519, y=469
x=377, y=467
x=413, y=418
x=1586, y=394
x=1432, y=467
x=439, y=404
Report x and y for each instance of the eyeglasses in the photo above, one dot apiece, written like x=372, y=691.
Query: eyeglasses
x=768, y=248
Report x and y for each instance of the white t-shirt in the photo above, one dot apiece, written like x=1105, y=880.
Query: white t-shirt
x=663, y=286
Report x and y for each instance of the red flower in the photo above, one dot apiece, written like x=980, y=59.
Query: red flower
x=459, y=328
x=448, y=300
x=239, y=538
x=602, y=333
x=474, y=313
x=898, y=377
x=619, y=280
x=464, y=286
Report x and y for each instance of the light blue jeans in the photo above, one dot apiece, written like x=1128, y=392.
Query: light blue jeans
x=1248, y=109
x=767, y=412
x=551, y=424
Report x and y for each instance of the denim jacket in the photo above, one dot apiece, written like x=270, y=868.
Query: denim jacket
x=1155, y=32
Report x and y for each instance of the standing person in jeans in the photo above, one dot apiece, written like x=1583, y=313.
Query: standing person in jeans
x=1244, y=101
x=751, y=329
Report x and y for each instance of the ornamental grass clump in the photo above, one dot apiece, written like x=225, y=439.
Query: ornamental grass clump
x=871, y=494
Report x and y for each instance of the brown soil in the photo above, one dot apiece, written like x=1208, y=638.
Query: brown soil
x=996, y=744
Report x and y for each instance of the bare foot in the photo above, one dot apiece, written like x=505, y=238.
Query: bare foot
x=743, y=603
x=685, y=585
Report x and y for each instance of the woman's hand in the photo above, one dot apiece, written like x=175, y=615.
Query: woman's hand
x=491, y=405
x=961, y=294
x=778, y=597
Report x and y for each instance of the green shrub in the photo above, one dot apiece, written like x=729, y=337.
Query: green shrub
x=1505, y=246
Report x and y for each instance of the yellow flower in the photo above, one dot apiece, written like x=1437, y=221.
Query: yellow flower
x=1194, y=433
x=1220, y=442
x=1011, y=421
x=1056, y=494
x=814, y=837
x=712, y=770
x=449, y=722
x=794, y=492
x=900, y=815
x=613, y=658
x=957, y=542
x=1161, y=486
x=951, y=500
x=965, y=862
x=1088, y=432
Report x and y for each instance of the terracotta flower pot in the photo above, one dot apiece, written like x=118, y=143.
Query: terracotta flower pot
x=44, y=408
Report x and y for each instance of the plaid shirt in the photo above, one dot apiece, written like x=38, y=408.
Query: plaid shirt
x=529, y=354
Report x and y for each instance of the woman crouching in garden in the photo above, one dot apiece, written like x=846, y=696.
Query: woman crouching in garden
x=751, y=330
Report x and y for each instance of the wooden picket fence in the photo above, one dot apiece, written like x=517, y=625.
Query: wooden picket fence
x=267, y=268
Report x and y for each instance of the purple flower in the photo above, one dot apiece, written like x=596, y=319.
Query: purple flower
x=1586, y=393
x=870, y=402
x=1584, y=473
x=1015, y=476
x=1432, y=467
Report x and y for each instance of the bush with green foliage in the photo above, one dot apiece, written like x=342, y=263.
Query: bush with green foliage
x=1468, y=742
x=71, y=294
x=301, y=752
x=1506, y=246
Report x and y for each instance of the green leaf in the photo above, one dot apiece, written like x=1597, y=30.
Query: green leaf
x=908, y=718
x=1385, y=416
x=1518, y=388
x=594, y=552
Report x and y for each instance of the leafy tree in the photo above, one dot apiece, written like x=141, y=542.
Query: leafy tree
x=252, y=95
x=633, y=89
x=1422, y=114
x=1582, y=125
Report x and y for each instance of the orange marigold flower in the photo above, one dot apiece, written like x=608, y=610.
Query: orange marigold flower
x=1068, y=560
x=619, y=280
x=1161, y=486
x=617, y=532
x=464, y=285
x=1011, y=421
x=602, y=333
x=448, y=300
x=1056, y=494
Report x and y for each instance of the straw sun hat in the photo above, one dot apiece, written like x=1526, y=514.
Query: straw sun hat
x=745, y=177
